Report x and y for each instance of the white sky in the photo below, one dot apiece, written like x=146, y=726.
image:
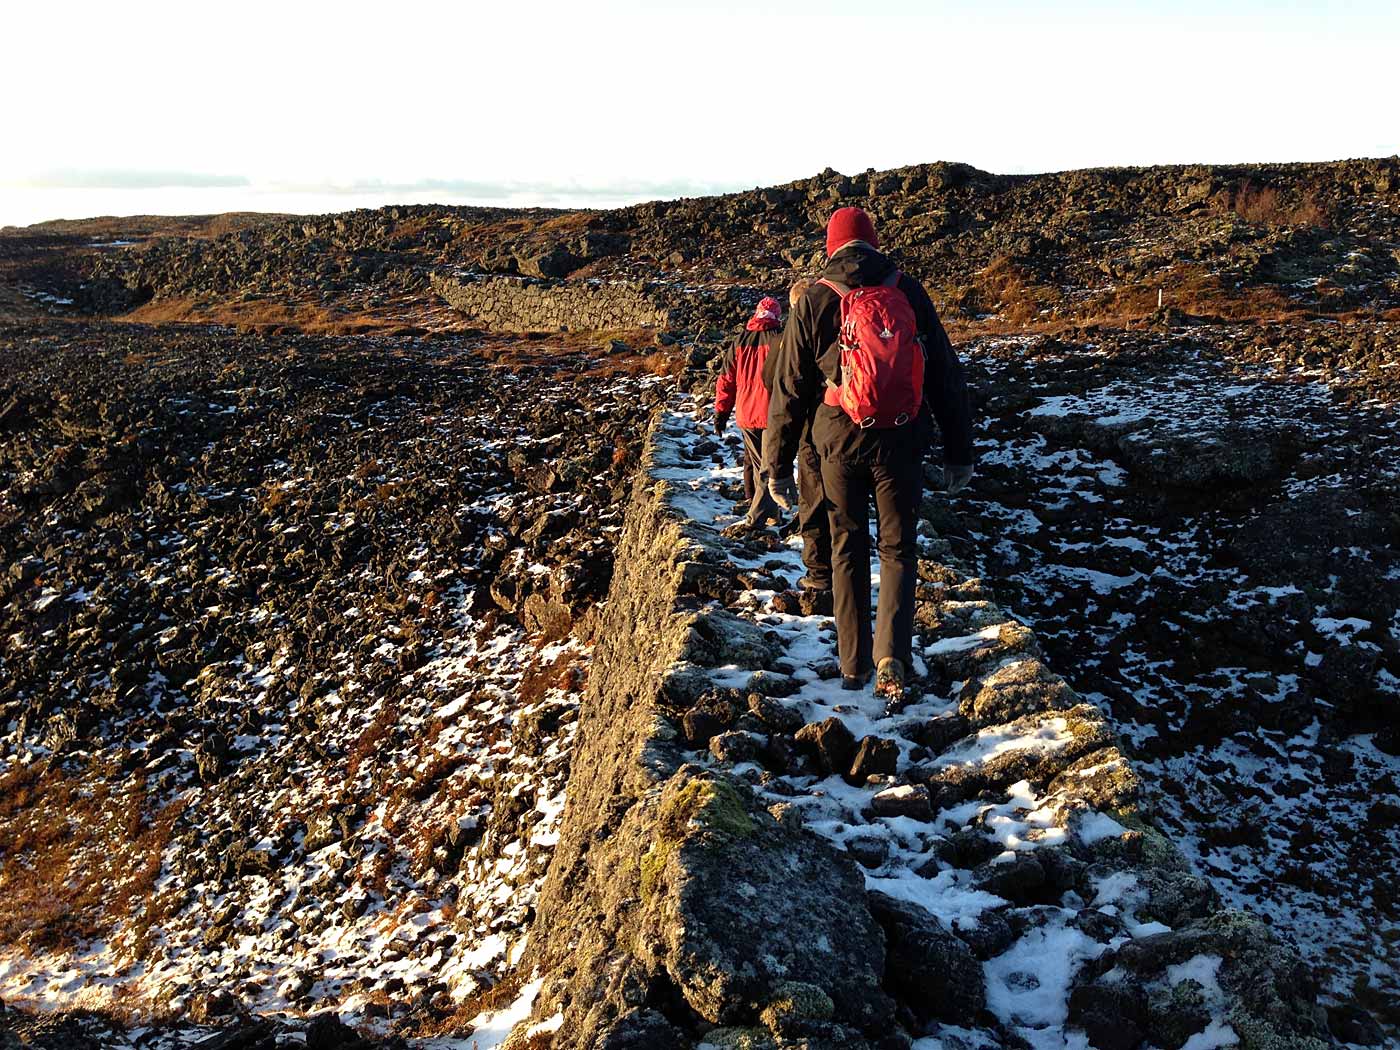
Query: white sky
x=311, y=106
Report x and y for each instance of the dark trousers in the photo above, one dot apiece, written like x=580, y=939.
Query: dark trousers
x=813, y=521
x=761, y=503
x=897, y=489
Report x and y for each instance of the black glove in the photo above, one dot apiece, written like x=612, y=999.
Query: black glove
x=783, y=491
x=956, y=477
x=721, y=421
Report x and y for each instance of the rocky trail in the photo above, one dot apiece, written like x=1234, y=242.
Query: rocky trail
x=995, y=802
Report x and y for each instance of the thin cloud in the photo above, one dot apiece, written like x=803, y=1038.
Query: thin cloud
x=606, y=192
x=124, y=179
x=509, y=190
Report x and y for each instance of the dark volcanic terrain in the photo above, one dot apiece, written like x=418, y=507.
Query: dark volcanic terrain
x=1207, y=547
x=300, y=562
x=295, y=611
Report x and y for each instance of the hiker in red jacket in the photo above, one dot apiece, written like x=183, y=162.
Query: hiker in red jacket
x=741, y=387
x=867, y=362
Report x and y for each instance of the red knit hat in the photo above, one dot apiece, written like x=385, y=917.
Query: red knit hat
x=849, y=224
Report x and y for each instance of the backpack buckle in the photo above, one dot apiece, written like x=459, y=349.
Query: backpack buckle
x=867, y=422
x=901, y=419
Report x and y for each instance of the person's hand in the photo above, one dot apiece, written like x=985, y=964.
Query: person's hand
x=783, y=491
x=721, y=421
x=956, y=477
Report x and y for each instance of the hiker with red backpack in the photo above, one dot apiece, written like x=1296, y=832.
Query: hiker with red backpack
x=866, y=363
x=741, y=388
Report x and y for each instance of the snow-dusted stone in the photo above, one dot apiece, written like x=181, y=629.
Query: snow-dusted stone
x=706, y=579
x=778, y=717
x=869, y=850
x=700, y=724
x=771, y=683
x=988, y=937
x=719, y=637
x=1034, y=748
x=816, y=603
x=995, y=646
x=1110, y=1015
x=1021, y=880
x=1018, y=688
x=938, y=732
x=903, y=800
x=1225, y=969
x=735, y=746
x=780, y=755
x=930, y=968
x=1102, y=780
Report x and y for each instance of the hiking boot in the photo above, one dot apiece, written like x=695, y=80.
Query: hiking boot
x=853, y=682
x=809, y=584
x=889, y=679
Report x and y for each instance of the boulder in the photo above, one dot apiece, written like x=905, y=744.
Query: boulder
x=903, y=800
x=874, y=755
x=929, y=970
x=830, y=742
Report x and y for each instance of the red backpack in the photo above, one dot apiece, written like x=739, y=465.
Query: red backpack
x=882, y=357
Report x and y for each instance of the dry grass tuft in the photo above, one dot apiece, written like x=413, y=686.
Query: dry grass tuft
x=1264, y=206
x=457, y=1024
x=79, y=855
x=370, y=738
x=664, y=363
x=539, y=678
x=261, y=315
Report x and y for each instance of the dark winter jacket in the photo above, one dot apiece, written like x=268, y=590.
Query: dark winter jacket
x=741, y=388
x=809, y=357
x=772, y=359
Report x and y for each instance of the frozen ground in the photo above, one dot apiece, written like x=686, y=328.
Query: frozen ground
x=1208, y=550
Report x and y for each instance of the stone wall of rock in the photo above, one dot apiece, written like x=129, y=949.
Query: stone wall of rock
x=741, y=867
x=516, y=304
x=668, y=909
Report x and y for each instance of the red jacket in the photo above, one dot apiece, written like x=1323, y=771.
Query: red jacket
x=741, y=378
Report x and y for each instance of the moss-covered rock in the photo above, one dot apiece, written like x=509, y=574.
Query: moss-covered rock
x=793, y=1004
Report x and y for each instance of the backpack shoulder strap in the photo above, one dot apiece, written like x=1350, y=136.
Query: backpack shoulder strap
x=892, y=281
x=836, y=286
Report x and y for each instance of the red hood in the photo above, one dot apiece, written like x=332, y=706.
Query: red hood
x=766, y=316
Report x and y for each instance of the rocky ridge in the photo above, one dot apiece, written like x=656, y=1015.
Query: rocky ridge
x=506, y=304
x=979, y=868
x=1051, y=251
